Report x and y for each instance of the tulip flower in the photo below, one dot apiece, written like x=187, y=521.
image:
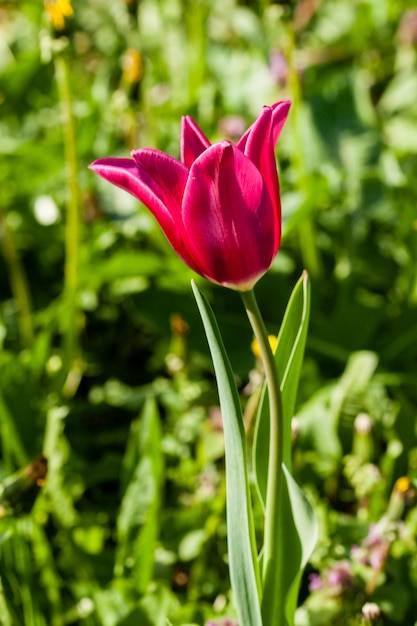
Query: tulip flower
x=219, y=207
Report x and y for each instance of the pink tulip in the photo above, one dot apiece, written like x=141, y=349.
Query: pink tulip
x=219, y=207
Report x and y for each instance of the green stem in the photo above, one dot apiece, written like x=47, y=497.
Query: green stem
x=271, y=577
x=18, y=282
x=72, y=230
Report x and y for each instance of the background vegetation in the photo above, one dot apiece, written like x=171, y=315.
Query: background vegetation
x=112, y=497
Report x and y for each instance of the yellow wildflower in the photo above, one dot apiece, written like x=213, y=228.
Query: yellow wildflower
x=255, y=346
x=58, y=10
x=132, y=66
x=402, y=485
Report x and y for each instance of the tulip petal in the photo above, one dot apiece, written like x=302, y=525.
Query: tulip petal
x=259, y=149
x=279, y=117
x=280, y=112
x=159, y=188
x=193, y=141
x=120, y=172
x=165, y=177
x=228, y=218
x=259, y=145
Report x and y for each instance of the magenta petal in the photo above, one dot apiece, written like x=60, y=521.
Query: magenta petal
x=228, y=217
x=280, y=112
x=279, y=116
x=193, y=141
x=165, y=176
x=160, y=199
x=260, y=150
x=121, y=172
x=258, y=144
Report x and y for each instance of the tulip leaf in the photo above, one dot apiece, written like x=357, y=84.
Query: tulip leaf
x=243, y=566
x=299, y=532
x=288, y=358
x=297, y=526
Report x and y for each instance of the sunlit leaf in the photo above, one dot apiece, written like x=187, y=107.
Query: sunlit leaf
x=242, y=561
x=289, y=358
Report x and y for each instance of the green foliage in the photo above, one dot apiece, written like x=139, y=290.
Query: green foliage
x=297, y=524
x=243, y=558
x=289, y=355
x=99, y=375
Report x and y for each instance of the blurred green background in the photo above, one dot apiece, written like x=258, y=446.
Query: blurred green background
x=104, y=368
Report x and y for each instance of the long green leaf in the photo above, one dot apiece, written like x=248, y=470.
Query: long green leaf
x=297, y=524
x=289, y=358
x=243, y=566
x=298, y=529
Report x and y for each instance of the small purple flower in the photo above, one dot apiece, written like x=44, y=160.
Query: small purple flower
x=315, y=582
x=340, y=574
x=278, y=66
x=334, y=581
x=377, y=546
x=359, y=554
x=374, y=549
